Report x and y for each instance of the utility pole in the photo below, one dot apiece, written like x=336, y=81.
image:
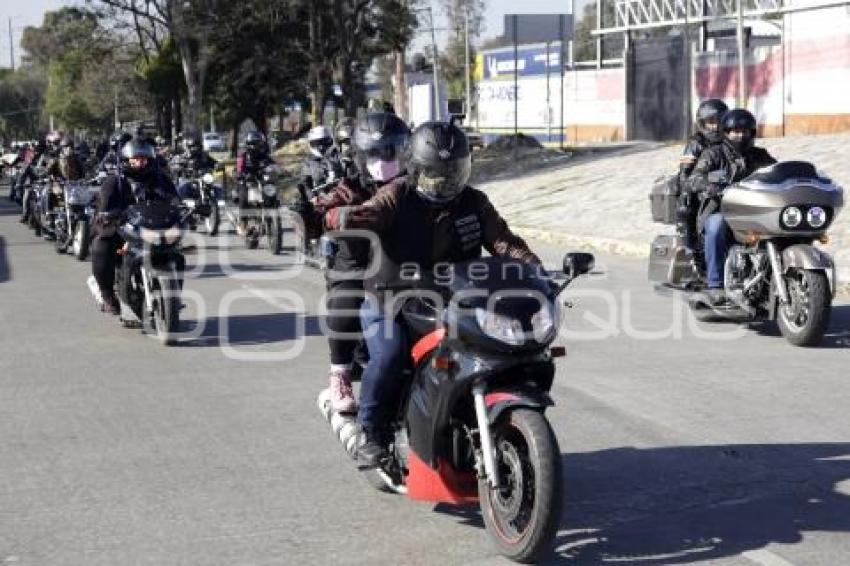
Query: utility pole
x=435, y=67
x=742, y=63
x=468, y=80
x=11, y=47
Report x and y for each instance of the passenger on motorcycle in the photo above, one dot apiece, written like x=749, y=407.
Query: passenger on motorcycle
x=430, y=217
x=377, y=137
x=69, y=165
x=737, y=157
x=139, y=180
x=708, y=133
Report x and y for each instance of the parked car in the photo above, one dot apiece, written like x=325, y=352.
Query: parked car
x=214, y=142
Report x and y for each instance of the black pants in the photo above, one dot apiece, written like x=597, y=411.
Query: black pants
x=343, y=305
x=104, y=259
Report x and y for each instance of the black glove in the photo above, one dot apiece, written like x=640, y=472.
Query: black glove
x=713, y=191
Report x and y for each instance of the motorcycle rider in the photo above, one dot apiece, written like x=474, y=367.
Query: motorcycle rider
x=112, y=160
x=139, y=179
x=321, y=167
x=429, y=217
x=738, y=158
x=69, y=165
x=45, y=154
x=343, y=148
x=250, y=163
x=384, y=136
x=708, y=133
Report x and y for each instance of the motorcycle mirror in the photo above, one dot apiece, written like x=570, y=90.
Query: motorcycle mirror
x=717, y=176
x=578, y=263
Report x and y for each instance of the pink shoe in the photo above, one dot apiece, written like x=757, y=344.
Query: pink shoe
x=342, y=396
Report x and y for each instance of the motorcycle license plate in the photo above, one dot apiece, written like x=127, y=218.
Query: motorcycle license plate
x=189, y=202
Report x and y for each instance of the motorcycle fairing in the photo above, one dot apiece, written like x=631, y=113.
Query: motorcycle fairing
x=440, y=484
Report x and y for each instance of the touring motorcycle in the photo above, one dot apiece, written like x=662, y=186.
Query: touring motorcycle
x=201, y=194
x=773, y=271
x=470, y=425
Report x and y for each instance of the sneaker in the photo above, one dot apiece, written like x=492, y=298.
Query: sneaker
x=370, y=448
x=716, y=297
x=342, y=396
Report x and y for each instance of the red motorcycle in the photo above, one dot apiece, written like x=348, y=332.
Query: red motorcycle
x=470, y=425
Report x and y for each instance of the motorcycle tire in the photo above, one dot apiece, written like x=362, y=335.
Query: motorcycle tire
x=81, y=240
x=523, y=516
x=274, y=235
x=166, y=311
x=213, y=220
x=806, y=320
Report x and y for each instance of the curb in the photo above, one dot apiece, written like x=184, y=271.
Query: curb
x=630, y=249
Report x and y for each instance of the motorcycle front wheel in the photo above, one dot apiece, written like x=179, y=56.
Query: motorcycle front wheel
x=166, y=310
x=274, y=233
x=806, y=319
x=81, y=240
x=213, y=219
x=523, y=515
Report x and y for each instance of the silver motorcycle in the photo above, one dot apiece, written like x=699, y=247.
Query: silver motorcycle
x=773, y=270
x=72, y=225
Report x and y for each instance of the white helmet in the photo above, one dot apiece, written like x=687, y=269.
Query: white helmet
x=320, y=139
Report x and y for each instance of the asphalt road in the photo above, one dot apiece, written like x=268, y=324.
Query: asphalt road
x=682, y=442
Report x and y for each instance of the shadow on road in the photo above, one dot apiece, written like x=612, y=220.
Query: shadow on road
x=217, y=270
x=247, y=330
x=5, y=269
x=684, y=505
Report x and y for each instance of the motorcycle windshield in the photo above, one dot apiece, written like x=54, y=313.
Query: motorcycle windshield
x=500, y=304
x=153, y=216
x=779, y=173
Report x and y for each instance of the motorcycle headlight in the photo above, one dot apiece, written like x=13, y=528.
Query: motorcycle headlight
x=172, y=235
x=152, y=237
x=545, y=323
x=792, y=217
x=499, y=327
x=816, y=217
x=157, y=237
x=208, y=179
x=270, y=190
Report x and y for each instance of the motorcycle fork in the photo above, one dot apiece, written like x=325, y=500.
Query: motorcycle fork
x=487, y=452
x=776, y=267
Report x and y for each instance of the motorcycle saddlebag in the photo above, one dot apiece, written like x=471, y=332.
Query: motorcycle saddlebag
x=664, y=199
x=670, y=261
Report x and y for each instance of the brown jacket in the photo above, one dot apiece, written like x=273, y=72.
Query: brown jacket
x=413, y=231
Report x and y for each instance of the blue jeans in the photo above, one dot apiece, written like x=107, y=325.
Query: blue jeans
x=718, y=240
x=382, y=379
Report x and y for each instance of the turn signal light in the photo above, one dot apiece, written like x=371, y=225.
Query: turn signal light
x=558, y=352
x=443, y=362
x=823, y=239
x=752, y=238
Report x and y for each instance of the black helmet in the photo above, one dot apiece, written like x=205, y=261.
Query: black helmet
x=711, y=110
x=138, y=157
x=740, y=119
x=118, y=140
x=255, y=142
x=440, y=161
x=380, y=140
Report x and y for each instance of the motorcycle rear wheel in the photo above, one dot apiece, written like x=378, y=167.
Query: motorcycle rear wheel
x=806, y=319
x=523, y=516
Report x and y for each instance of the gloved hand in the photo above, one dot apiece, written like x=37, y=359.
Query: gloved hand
x=713, y=191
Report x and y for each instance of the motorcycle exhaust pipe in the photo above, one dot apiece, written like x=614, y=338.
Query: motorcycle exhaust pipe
x=344, y=427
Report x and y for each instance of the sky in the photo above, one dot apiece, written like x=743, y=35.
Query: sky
x=31, y=12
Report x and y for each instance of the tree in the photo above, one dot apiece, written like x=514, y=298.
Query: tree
x=255, y=78
x=453, y=59
x=584, y=47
